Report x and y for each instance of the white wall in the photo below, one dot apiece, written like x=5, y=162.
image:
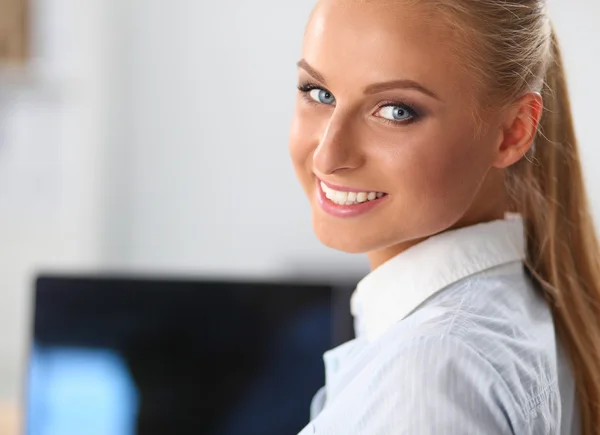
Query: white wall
x=210, y=88
x=172, y=146
x=577, y=25
x=51, y=165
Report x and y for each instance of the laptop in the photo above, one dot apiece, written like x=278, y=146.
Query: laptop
x=145, y=356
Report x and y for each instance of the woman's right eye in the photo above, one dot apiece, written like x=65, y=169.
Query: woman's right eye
x=322, y=96
x=318, y=95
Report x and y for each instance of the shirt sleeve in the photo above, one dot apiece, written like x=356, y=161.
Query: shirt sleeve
x=432, y=386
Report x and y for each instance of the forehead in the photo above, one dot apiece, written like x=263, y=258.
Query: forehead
x=351, y=40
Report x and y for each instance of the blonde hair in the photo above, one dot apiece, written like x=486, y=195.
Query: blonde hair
x=514, y=49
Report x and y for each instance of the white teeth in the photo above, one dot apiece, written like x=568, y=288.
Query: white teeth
x=341, y=197
x=349, y=198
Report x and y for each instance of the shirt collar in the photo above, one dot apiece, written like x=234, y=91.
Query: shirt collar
x=396, y=288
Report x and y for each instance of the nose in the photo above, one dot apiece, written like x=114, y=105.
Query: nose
x=338, y=148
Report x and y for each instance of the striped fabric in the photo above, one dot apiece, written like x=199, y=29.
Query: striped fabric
x=452, y=338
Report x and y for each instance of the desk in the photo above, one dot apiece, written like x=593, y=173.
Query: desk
x=10, y=419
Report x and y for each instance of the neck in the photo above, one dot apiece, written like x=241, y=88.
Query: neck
x=377, y=258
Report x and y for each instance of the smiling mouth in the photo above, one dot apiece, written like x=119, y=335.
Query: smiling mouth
x=349, y=198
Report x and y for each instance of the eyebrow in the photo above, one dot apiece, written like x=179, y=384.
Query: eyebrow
x=309, y=69
x=402, y=84
x=376, y=87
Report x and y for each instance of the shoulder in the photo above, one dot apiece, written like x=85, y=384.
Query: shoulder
x=506, y=321
x=450, y=372
x=479, y=359
x=501, y=317
x=429, y=385
x=489, y=340
x=435, y=384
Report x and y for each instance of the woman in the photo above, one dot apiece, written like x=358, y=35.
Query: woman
x=436, y=136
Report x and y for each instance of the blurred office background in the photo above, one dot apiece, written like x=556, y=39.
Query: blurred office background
x=150, y=137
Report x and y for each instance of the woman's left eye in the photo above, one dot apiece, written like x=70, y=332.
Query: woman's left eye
x=396, y=112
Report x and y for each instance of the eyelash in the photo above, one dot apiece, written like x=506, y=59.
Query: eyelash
x=305, y=88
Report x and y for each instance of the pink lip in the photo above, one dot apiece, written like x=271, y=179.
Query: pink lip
x=346, y=211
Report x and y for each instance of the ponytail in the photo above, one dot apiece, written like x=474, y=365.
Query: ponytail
x=547, y=188
x=513, y=49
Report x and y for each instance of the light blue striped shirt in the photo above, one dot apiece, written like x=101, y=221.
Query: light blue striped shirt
x=452, y=338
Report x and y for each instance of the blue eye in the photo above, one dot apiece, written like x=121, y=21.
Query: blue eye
x=321, y=96
x=396, y=113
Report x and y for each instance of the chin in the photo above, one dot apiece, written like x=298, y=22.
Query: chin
x=343, y=245
x=342, y=240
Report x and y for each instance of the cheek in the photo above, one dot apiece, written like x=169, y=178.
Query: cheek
x=436, y=177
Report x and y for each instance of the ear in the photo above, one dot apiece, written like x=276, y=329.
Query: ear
x=518, y=129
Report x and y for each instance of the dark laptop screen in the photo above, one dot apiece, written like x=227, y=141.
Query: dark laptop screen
x=142, y=356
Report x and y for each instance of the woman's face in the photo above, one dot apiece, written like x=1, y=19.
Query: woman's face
x=384, y=141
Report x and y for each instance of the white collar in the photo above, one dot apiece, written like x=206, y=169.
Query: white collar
x=396, y=288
